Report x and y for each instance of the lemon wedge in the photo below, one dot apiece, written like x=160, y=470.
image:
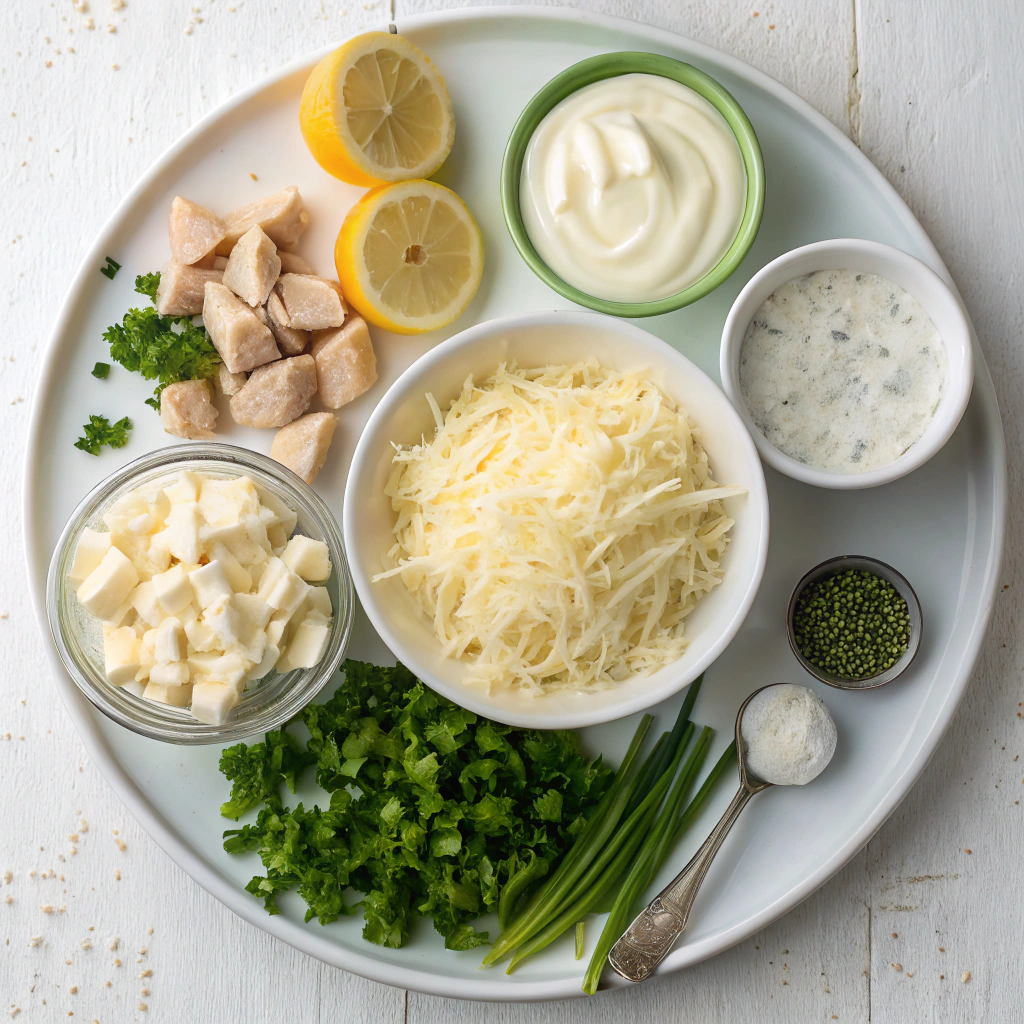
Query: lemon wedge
x=409, y=256
x=377, y=110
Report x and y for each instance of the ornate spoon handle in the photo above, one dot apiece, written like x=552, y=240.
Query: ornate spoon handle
x=649, y=938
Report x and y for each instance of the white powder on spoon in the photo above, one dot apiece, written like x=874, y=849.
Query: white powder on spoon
x=788, y=735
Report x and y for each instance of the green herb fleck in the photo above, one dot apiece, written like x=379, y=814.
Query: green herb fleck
x=101, y=371
x=852, y=624
x=147, y=284
x=111, y=268
x=100, y=431
x=161, y=348
x=257, y=772
x=432, y=810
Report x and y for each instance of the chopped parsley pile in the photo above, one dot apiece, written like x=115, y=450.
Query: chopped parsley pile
x=167, y=349
x=432, y=811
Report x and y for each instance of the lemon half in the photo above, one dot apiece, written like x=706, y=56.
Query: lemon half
x=409, y=256
x=377, y=110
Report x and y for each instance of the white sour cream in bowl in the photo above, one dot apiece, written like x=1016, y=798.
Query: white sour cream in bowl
x=842, y=370
x=633, y=188
x=850, y=362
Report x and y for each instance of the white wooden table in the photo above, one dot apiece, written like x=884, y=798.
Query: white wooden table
x=931, y=91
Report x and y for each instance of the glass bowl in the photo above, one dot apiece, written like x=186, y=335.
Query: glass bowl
x=269, y=702
x=596, y=69
x=900, y=583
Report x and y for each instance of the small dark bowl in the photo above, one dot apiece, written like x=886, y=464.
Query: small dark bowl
x=839, y=564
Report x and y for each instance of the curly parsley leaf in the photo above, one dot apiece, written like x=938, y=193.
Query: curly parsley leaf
x=432, y=811
x=99, y=431
x=147, y=284
x=161, y=348
x=101, y=371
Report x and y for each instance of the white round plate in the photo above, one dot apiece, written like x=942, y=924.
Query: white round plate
x=942, y=525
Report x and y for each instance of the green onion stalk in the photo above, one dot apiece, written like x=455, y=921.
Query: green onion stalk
x=667, y=831
x=592, y=870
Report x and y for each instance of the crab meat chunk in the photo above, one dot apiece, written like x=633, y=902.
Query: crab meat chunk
x=187, y=410
x=290, y=341
x=345, y=363
x=302, y=445
x=253, y=267
x=182, y=288
x=310, y=303
x=276, y=394
x=293, y=264
x=193, y=230
x=236, y=332
x=228, y=383
x=282, y=216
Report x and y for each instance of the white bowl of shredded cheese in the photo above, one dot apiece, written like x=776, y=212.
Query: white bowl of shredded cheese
x=556, y=520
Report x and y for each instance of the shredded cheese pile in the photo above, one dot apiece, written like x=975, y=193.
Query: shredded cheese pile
x=559, y=527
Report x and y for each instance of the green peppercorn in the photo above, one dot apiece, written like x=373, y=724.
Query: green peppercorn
x=852, y=624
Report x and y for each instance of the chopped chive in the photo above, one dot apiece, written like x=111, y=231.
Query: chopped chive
x=111, y=268
x=101, y=371
x=579, y=940
x=644, y=867
x=586, y=898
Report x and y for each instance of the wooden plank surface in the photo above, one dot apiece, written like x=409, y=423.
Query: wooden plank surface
x=931, y=93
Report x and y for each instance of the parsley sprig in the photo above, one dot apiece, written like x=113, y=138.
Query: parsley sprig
x=99, y=431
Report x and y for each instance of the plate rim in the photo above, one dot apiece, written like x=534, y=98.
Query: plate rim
x=301, y=937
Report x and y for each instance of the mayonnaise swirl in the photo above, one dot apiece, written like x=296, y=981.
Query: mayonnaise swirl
x=632, y=188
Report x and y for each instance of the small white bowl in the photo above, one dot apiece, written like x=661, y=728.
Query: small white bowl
x=540, y=339
x=939, y=302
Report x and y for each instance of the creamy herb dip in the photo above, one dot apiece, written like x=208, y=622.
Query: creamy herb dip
x=842, y=370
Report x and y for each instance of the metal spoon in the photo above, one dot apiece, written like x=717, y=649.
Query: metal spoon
x=648, y=940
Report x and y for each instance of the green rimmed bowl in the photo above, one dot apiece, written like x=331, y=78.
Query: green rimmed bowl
x=611, y=65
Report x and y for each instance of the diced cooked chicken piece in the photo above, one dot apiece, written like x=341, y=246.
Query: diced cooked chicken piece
x=182, y=288
x=282, y=216
x=302, y=444
x=229, y=383
x=253, y=267
x=276, y=394
x=345, y=363
x=187, y=411
x=290, y=341
x=220, y=262
x=310, y=303
x=292, y=264
x=237, y=333
x=193, y=230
